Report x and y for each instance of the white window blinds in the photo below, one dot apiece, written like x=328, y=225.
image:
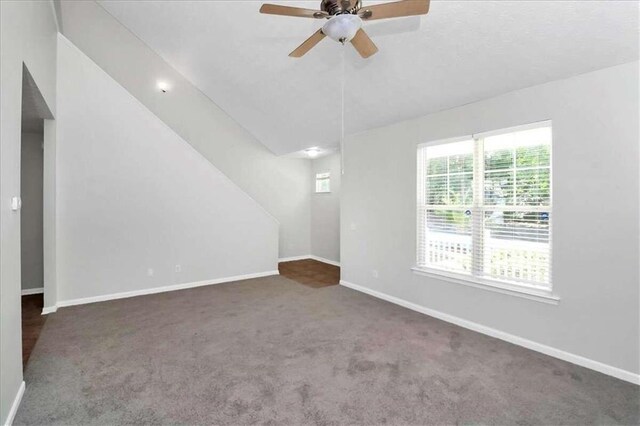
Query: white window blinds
x=445, y=200
x=484, y=206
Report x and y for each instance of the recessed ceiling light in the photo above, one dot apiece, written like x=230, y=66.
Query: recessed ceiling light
x=163, y=86
x=312, y=152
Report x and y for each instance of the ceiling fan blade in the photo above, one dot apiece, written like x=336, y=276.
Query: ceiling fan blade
x=394, y=10
x=363, y=44
x=308, y=44
x=275, y=9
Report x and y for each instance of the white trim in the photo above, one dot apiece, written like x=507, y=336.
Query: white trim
x=49, y=310
x=520, y=128
x=127, y=294
x=436, y=142
x=49, y=207
x=30, y=291
x=324, y=260
x=293, y=258
x=518, y=290
x=516, y=340
x=309, y=256
x=15, y=405
x=532, y=290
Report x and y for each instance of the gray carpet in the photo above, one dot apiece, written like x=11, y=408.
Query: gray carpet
x=272, y=351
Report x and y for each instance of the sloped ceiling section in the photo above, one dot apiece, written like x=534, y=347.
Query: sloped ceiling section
x=463, y=51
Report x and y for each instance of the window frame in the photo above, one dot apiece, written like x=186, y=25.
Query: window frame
x=524, y=289
x=322, y=177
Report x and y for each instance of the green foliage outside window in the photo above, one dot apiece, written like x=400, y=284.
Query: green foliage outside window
x=518, y=176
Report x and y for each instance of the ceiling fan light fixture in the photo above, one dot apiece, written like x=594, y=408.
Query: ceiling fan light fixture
x=345, y=21
x=342, y=28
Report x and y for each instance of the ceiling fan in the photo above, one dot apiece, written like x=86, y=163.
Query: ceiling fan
x=345, y=19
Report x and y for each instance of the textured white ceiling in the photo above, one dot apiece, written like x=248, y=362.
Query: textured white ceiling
x=462, y=51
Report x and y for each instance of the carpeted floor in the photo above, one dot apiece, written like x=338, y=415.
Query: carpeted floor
x=271, y=350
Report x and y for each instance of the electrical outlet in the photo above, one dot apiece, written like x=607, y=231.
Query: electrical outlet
x=178, y=268
x=150, y=272
x=374, y=273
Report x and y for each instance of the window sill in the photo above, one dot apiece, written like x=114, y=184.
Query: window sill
x=539, y=295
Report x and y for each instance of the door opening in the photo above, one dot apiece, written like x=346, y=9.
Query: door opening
x=34, y=113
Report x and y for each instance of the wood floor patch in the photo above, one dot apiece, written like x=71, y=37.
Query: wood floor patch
x=311, y=273
x=32, y=323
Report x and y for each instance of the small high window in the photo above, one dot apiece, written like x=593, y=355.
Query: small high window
x=323, y=182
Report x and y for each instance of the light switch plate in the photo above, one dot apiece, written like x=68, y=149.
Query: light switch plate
x=16, y=203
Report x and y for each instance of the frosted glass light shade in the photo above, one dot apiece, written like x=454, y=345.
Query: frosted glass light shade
x=342, y=28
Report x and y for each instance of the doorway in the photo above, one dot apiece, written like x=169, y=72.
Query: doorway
x=32, y=145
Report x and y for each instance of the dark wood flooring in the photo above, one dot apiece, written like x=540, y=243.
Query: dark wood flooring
x=32, y=323
x=310, y=272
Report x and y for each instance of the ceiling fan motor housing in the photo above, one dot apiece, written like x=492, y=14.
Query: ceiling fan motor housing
x=338, y=7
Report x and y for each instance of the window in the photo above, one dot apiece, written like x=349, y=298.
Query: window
x=322, y=182
x=484, y=206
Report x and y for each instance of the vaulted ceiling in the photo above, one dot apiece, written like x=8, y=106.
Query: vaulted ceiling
x=462, y=51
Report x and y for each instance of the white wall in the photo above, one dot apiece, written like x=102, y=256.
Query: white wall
x=31, y=220
x=49, y=213
x=325, y=210
x=27, y=34
x=133, y=195
x=595, y=222
x=281, y=185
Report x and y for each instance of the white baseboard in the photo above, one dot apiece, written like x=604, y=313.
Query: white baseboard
x=127, y=294
x=323, y=260
x=30, y=291
x=292, y=258
x=516, y=340
x=309, y=256
x=15, y=405
x=49, y=310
